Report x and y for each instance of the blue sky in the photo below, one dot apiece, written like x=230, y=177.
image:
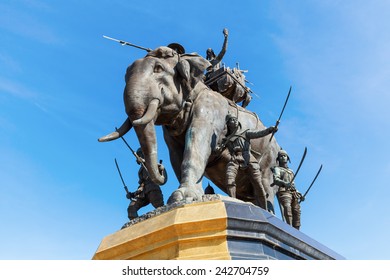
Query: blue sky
x=61, y=87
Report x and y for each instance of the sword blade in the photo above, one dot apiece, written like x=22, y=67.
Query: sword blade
x=120, y=175
x=315, y=178
x=300, y=164
x=285, y=103
x=281, y=113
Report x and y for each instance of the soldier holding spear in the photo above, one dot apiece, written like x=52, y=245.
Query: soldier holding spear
x=147, y=192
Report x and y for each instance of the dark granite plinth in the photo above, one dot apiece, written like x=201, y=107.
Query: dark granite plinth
x=253, y=233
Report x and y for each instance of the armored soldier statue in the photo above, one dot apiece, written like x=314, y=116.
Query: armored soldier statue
x=287, y=194
x=147, y=192
x=239, y=146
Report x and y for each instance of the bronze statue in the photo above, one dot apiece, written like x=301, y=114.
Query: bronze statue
x=237, y=142
x=147, y=192
x=287, y=194
x=215, y=60
x=167, y=88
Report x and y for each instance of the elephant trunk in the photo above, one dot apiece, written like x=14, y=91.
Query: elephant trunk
x=141, y=97
x=147, y=138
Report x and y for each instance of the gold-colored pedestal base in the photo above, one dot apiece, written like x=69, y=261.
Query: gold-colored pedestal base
x=193, y=231
x=223, y=228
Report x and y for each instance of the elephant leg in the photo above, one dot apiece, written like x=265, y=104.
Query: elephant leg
x=196, y=154
x=175, y=152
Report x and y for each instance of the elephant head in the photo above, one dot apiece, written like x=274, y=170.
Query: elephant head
x=157, y=87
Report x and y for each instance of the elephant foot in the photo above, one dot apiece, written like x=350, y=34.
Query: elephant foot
x=184, y=194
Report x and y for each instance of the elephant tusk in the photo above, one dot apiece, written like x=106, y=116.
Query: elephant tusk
x=125, y=127
x=150, y=113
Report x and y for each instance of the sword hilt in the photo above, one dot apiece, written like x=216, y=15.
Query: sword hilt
x=273, y=132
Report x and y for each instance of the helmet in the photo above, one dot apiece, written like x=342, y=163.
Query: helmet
x=283, y=152
x=177, y=47
x=230, y=116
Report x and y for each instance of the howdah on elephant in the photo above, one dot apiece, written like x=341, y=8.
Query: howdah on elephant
x=166, y=88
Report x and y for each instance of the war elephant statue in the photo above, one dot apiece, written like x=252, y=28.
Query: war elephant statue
x=166, y=88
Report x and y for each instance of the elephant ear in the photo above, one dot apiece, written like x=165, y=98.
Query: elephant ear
x=184, y=68
x=197, y=64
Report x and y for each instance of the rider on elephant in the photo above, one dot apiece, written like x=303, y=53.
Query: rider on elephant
x=147, y=192
x=239, y=147
x=228, y=82
x=212, y=58
x=288, y=195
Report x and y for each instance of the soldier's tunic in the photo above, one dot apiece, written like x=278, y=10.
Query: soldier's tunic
x=241, y=158
x=288, y=197
x=147, y=192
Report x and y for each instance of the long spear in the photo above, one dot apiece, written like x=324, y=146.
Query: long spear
x=123, y=43
x=139, y=159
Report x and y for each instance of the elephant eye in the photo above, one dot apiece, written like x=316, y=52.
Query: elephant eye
x=158, y=68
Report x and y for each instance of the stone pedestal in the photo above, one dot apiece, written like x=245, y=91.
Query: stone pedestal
x=222, y=228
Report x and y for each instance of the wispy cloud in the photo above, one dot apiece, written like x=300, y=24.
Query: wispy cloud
x=38, y=100
x=22, y=22
x=8, y=63
x=17, y=90
x=338, y=57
